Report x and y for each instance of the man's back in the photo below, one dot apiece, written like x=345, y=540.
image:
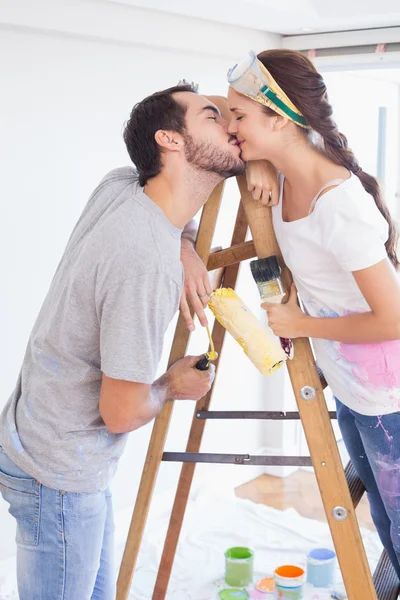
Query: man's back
x=120, y=267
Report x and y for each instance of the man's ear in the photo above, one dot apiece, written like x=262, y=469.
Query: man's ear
x=169, y=140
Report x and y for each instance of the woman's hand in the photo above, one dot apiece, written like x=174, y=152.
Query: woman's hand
x=286, y=320
x=262, y=182
x=197, y=288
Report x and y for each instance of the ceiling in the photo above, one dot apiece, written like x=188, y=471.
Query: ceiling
x=287, y=17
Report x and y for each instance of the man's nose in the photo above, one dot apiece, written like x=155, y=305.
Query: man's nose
x=224, y=125
x=232, y=128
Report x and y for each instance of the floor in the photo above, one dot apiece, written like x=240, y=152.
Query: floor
x=216, y=520
x=299, y=491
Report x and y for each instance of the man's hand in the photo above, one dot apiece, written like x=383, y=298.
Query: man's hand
x=185, y=382
x=197, y=288
x=262, y=182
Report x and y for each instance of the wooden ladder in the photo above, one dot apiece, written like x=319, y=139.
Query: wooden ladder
x=340, y=489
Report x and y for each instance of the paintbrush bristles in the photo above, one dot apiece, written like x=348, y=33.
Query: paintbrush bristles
x=265, y=269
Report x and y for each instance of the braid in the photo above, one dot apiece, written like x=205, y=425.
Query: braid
x=306, y=88
x=337, y=149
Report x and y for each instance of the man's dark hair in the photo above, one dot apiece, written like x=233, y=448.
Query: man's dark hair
x=158, y=111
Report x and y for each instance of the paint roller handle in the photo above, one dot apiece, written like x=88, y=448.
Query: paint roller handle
x=203, y=364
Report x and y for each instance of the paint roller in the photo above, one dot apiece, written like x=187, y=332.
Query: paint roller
x=255, y=339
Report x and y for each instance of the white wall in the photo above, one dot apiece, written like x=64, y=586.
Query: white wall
x=357, y=118
x=69, y=74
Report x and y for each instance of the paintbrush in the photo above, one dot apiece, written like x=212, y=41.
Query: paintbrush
x=267, y=275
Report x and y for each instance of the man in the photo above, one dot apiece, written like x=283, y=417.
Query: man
x=88, y=374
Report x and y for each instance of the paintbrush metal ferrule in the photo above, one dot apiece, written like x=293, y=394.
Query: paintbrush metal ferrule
x=267, y=275
x=271, y=291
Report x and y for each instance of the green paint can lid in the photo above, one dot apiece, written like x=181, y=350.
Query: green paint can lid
x=233, y=594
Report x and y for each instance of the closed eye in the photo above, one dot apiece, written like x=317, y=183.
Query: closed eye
x=239, y=118
x=213, y=118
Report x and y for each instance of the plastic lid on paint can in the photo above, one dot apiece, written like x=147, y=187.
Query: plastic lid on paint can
x=266, y=586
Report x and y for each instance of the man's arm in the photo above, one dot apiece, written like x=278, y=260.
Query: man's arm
x=127, y=405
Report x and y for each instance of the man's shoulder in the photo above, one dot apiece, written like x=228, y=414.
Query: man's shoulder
x=128, y=173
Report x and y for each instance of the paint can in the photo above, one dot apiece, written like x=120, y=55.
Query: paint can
x=289, y=582
x=321, y=567
x=233, y=594
x=239, y=565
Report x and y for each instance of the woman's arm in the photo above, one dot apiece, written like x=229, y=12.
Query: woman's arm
x=380, y=288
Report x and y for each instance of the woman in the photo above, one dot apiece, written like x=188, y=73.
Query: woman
x=339, y=241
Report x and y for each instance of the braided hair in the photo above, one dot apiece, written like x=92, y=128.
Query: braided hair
x=305, y=87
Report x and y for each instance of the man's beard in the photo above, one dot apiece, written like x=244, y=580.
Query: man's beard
x=207, y=157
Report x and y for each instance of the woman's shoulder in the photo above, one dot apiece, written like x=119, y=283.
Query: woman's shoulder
x=348, y=196
x=350, y=207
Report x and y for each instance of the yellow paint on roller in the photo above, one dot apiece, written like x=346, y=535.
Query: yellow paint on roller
x=242, y=343
x=256, y=340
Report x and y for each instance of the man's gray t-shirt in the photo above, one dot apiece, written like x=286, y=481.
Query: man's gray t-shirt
x=112, y=297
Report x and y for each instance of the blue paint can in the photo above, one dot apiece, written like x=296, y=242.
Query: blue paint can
x=321, y=567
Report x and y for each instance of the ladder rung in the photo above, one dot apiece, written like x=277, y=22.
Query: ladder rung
x=252, y=414
x=238, y=459
x=355, y=484
x=386, y=581
x=231, y=256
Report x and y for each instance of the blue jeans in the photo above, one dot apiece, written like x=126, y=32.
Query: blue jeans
x=373, y=444
x=65, y=541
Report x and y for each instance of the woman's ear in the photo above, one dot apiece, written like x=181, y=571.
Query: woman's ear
x=279, y=122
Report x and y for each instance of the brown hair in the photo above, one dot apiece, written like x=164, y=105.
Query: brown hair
x=305, y=87
x=158, y=111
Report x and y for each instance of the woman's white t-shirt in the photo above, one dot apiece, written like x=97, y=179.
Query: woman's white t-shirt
x=345, y=232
